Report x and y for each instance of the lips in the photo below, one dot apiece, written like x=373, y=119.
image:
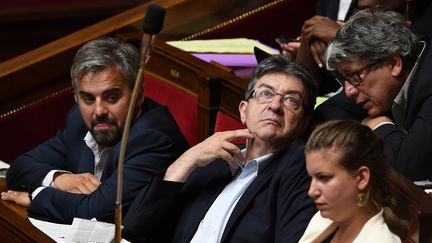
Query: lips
x=272, y=120
x=102, y=126
x=320, y=205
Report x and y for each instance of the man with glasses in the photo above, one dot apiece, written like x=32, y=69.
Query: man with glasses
x=387, y=71
x=216, y=192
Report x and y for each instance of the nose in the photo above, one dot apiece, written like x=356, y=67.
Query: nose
x=350, y=90
x=100, y=108
x=276, y=103
x=313, y=191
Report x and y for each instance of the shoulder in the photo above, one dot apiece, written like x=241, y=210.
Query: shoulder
x=293, y=158
x=377, y=230
x=316, y=226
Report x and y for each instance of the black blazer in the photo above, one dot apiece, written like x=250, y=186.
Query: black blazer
x=274, y=208
x=411, y=152
x=154, y=142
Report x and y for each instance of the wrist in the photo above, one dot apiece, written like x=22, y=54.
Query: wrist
x=178, y=172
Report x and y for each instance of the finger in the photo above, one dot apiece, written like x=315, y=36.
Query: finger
x=229, y=159
x=242, y=133
x=321, y=46
x=94, y=181
x=230, y=135
x=83, y=189
x=315, y=54
x=9, y=195
x=5, y=196
x=232, y=149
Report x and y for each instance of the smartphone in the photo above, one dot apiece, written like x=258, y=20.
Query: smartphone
x=282, y=39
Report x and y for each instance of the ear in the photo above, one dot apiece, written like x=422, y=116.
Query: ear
x=363, y=176
x=242, y=109
x=140, y=97
x=396, y=65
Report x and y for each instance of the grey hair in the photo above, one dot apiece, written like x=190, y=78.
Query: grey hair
x=102, y=53
x=373, y=36
x=283, y=64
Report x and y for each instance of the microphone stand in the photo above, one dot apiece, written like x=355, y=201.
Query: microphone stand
x=146, y=49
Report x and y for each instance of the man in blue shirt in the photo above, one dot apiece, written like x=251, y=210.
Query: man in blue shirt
x=216, y=192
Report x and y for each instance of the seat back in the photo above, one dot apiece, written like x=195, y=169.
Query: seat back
x=23, y=128
x=182, y=104
x=226, y=122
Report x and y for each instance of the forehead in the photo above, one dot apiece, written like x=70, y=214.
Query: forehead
x=324, y=159
x=103, y=79
x=350, y=66
x=281, y=82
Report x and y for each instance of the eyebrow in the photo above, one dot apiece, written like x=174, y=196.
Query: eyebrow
x=105, y=92
x=285, y=93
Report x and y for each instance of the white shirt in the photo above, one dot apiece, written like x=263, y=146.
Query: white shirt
x=214, y=222
x=100, y=154
x=343, y=9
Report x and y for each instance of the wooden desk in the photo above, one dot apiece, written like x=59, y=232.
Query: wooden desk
x=14, y=225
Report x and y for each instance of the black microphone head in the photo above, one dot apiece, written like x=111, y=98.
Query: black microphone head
x=153, y=19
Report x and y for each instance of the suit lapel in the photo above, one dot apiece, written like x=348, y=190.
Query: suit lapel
x=86, y=163
x=250, y=193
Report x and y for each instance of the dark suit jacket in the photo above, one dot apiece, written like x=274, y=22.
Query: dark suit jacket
x=411, y=153
x=330, y=8
x=154, y=142
x=274, y=208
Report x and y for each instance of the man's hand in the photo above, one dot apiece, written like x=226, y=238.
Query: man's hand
x=20, y=198
x=317, y=32
x=290, y=48
x=85, y=183
x=319, y=27
x=217, y=146
x=317, y=48
x=372, y=122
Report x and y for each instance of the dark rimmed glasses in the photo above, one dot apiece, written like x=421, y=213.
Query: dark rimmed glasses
x=353, y=78
x=266, y=95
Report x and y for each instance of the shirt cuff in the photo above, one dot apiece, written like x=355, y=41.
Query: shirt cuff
x=35, y=192
x=48, y=180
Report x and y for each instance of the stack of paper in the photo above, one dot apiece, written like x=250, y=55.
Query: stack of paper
x=3, y=169
x=235, y=52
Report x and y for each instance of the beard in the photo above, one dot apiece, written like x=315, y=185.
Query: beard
x=106, y=137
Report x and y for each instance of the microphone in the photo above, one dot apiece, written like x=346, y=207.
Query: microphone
x=152, y=25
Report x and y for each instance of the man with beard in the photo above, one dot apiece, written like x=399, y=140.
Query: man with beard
x=216, y=192
x=74, y=174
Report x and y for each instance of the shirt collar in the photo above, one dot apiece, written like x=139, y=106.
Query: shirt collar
x=400, y=103
x=260, y=162
x=93, y=145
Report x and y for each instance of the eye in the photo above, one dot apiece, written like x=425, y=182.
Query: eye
x=291, y=100
x=88, y=99
x=324, y=178
x=265, y=93
x=112, y=98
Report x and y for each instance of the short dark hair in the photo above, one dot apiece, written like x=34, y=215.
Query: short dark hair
x=283, y=64
x=105, y=52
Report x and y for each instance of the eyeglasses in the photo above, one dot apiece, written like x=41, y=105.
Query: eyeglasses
x=353, y=78
x=266, y=95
